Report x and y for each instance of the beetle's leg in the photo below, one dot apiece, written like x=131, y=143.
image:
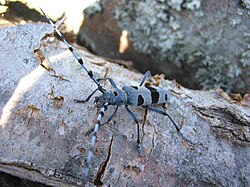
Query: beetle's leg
x=112, y=82
x=146, y=75
x=108, y=120
x=166, y=114
x=138, y=128
x=87, y=99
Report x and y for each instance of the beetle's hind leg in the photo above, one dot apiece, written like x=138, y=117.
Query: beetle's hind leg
x=166, y=114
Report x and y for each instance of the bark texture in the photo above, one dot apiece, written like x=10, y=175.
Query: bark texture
x=42, y=129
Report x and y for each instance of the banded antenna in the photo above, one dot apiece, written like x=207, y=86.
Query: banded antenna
x=79, y=60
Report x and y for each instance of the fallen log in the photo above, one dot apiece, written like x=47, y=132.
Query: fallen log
x=42, y=129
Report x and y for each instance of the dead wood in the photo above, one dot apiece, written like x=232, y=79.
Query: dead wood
x=42, y=128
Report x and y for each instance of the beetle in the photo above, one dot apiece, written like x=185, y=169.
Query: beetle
x=140, y=96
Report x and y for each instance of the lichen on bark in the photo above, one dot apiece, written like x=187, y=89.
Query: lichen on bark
x=204, y=37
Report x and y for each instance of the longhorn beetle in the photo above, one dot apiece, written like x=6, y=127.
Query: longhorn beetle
x=142, y=96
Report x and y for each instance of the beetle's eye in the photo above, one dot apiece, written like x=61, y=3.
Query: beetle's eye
x=115, y=93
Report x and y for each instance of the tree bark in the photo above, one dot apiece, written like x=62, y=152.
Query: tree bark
x=42, y=128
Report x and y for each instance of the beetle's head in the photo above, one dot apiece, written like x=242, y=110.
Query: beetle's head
x=106, y=97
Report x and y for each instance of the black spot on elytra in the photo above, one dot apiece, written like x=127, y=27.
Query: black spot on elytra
x=135, y=87
x=140, y=100
x=151, y=89
x=154, y=95
x=166, y=97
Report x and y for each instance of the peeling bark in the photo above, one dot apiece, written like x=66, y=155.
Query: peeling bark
x=42, y=129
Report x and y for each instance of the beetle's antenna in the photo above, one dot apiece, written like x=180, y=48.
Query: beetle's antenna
x=93, y=139
x=80, y=61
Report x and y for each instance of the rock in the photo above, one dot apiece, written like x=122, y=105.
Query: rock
x=42, y=128
x=201, y=44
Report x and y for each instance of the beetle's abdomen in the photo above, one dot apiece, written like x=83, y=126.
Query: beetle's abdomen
x=141, y=96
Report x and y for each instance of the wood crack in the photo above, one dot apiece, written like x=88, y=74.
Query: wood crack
x=101, y=171
x=226, y=124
